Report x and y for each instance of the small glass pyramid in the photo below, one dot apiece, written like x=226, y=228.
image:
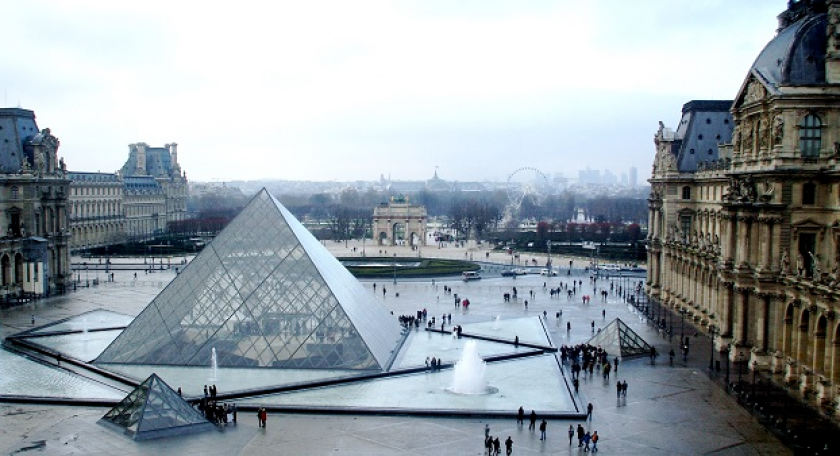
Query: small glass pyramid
x=618, y=339
x=263, y=293
x=153, y=410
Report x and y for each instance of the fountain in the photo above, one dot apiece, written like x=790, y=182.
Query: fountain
x=469, y=372
x=214, y=364
x=496, y=323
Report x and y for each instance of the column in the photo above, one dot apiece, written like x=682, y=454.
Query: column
x=726, y=309
x=776, y=248
x=762, y=307
x=727, y=239
x=765, y=236
x=740, y=328
x=743, y=242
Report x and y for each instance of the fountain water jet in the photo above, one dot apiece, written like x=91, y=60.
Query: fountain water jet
x=214, y=363
x=469, y=373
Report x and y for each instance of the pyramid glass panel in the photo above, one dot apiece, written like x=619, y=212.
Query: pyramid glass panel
x=264, y=293
x=618, y=338
x=154, y=410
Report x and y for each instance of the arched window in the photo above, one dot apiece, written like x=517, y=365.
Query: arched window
x=809, y=193
x=810, y=136
x=686, y=192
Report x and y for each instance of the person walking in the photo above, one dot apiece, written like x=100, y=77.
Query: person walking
x=618, y=389
x=594, y=441
x=571, y=434
x=509, y=446
x=543, y=425
x=671, y=355
x=497, y=446
x=580, y=434
x=486, y=430
x=533, y=424
x=576, y=384
x=520, y=416
x=586, y=439
x=624, y=388
x=615, y=365
x=589, y=411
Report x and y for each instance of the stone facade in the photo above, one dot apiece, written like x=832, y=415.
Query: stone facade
x=136, y=203
x=746, y=241
x=399, y=223
x=34, y=250
x=96, y=209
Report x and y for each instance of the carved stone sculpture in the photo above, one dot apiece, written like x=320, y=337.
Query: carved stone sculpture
x=778, y=129
x=784, y=263
x=762, y=133
x=815, y=267
x=800, y=265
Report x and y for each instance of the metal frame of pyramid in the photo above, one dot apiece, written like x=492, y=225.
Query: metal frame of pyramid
x=263, y=293
x=617, y=335
x=152, y=411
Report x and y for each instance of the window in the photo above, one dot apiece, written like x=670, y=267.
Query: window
x=810, y=135
x=807, y=244
x=809, y=194
x=685, y=224
x=14, y=193
x=686, y=192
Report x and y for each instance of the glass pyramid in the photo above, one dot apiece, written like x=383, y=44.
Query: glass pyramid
x=263, y=293
x=153, y=410
x=618, y=339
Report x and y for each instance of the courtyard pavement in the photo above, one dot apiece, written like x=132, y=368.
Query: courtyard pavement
x=668, y=410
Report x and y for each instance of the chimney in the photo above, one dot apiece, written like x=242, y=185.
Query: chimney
x=141, y=159
x=173, y=151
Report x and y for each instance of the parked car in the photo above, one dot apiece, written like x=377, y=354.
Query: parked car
x=520, y=271
x=548, y=272
x=508, y=273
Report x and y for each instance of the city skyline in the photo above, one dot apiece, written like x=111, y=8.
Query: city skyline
x=336, y=91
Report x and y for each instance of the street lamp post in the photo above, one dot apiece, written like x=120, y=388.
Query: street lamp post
x=712, y=330
x=726, y=353
x=670, y=326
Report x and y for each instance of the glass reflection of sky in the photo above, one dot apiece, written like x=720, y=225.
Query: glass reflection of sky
x=514, y=379
x=85, y=346
x=533, y=382
x=20, y=376
x=96, y=319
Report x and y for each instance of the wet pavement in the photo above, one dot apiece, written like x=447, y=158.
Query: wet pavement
x=668, y=410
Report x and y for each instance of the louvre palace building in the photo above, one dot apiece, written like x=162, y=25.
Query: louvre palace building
x=35, y=241
x=744, y=217
x=135, y=203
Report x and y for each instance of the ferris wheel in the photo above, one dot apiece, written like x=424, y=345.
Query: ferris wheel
x=527, y=183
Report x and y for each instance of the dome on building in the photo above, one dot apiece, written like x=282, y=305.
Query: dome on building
x=796, y=56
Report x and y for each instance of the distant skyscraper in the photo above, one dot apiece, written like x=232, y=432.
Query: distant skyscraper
x=634, y=176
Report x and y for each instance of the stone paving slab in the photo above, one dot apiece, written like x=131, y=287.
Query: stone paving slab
x=668, y=410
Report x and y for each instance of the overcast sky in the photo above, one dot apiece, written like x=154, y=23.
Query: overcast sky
x=349, y=90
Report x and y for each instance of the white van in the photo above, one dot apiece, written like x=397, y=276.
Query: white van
x=548, y=272
x=470, y=275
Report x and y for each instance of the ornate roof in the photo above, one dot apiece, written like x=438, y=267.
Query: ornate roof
x=796, y=56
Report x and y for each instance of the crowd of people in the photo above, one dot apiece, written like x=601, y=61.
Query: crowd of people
x=216, y=412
